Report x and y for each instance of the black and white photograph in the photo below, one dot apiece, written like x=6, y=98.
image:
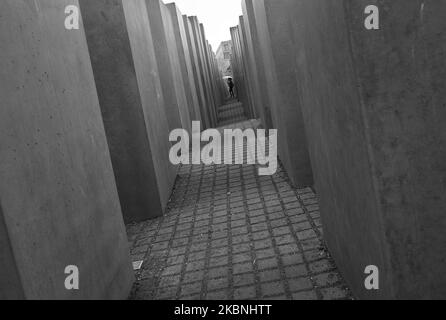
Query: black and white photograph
x=222, y=156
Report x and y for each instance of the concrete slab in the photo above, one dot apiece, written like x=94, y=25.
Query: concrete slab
x=277, y=52
x=257, y=69
x=59, y=202
x=212, y=76
x=238, y=70
x=197, y=72
x=374, y=112
x=195, y=29
x=185, y=60
x=249, y=82
x=131, y=99
x=166, y=51
x=205, y=55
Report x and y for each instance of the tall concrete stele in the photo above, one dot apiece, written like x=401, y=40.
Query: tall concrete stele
x=59, y=204
x=372, y=106
x=84, y=135
x=121, y=42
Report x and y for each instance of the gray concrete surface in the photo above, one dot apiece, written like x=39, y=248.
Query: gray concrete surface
x=185, y=60
x=195, y=29
x=208, y=76
x=374, y=112
x=218, y=79
x=249, y=82
x=211, y=58
x=197, y=72
x=257, y=68
x=10, y=284
x=176, y=104
x=240, y=72
x=131, y=99
x=59, y=202
x=154, y=110
x=276, y=52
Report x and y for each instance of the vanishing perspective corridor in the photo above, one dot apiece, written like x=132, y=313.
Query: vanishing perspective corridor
x=231, y=234
x=222, y=150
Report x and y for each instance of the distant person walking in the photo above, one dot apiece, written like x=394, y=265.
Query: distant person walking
x=231, y=88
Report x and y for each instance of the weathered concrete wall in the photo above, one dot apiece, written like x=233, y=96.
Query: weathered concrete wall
x=195, y=30
x=197, y=72
x=249, y=82
x=151, y=96
x=239, y=71
x=235, y=64
x=131, y=99
x=59, y=203
x=277, y=53
x=10, y=284
x=209, y=84
x=166, y=51
x=373, y=104
x=257, y=69
x=216, y=78
x=185, y=62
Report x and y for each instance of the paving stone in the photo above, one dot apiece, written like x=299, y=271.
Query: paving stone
x=170, y=281
x=270, y=275
x=176, y=260
x=261, y=235
x=305, y=295
x=320, y=266
x=327, y=279
x=244, y=279
x=334, y=293
x=290, y=248
x=296, y=271
x=307, y=234
x=217, y=295
x=292, y=259
x=166, y=293
x=299, y=284
x=218, y=252
x=272, y=288
x=270, y=263
x=195, y=265
x=219, y=261
x=245, y=293
x=189, y=289
x=193, y=276
x=216, y=284
x=247, y=248
x=242, y=268
x=259, y=227
x=263, y=244
x=193, y=297
x=218, y=273
x=241, y=257
x=240, y=239
x=172, y=270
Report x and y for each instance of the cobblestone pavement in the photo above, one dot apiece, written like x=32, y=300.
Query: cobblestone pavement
x=231, y=112
x=231, y=234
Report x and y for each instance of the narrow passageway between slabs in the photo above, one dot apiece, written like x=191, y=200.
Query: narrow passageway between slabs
x=231, y=234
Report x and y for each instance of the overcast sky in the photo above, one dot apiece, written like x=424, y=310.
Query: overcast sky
x=216, y=15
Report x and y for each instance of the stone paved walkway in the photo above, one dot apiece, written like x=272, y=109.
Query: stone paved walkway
x=231, y=234
x=232, y=112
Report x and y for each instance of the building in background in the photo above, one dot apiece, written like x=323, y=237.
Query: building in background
x=224, y=53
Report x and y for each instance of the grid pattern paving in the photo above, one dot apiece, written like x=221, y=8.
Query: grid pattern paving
x=231, y=112
x=229, y=233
